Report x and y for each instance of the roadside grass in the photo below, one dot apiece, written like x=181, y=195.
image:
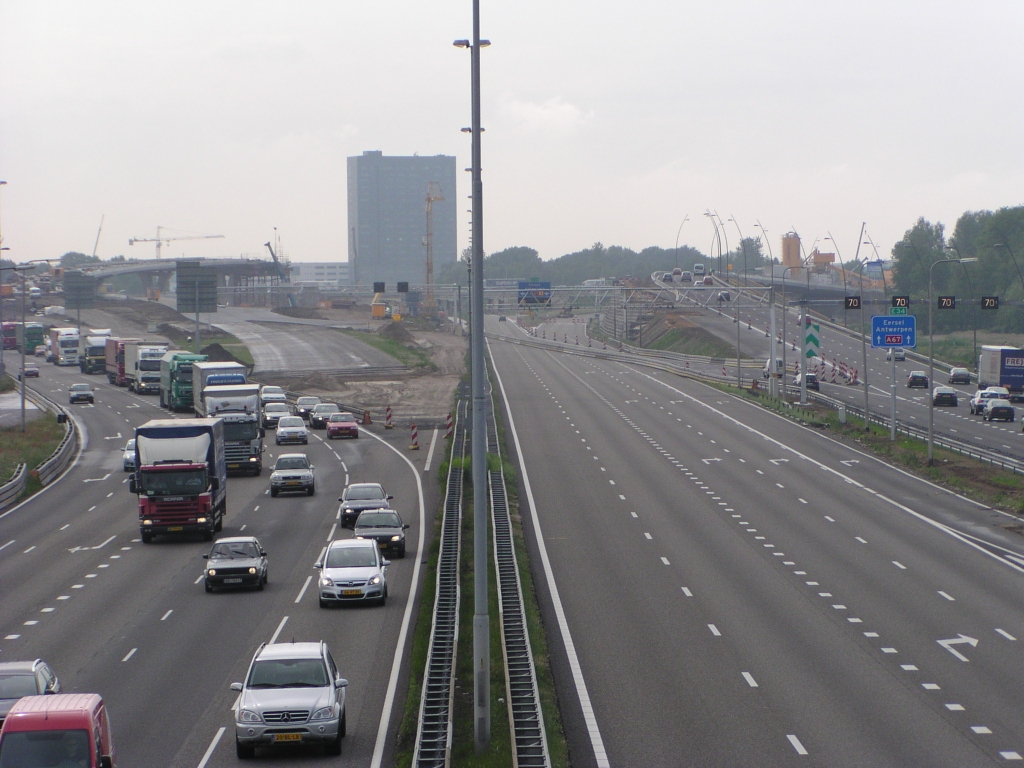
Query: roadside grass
x=7, y=384
x=410, y=357
x=693, y=341
x=33, y=446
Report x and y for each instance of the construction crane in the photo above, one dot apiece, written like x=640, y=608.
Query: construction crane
x=160, y=239
x=433, y=196
x=98, y=233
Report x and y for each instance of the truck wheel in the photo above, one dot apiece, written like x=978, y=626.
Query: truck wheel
x=259, y=470
x=207, y=535
x=219, y=525
x=147, y=537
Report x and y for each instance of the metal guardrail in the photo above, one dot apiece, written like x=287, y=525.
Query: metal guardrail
x=11, y=490
x=58, y=461
x=526, y=720
x=379, y=370
x=434, y=729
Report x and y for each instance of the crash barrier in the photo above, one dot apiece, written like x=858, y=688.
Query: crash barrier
x=11, y=490
x=64, y=455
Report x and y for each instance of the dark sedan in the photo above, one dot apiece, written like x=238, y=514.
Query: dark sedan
x=945, y=396
x=272, y=413
x=239, y=561
x=305, y=405
x=383, y=526
x=320, y=414
x=917, y=380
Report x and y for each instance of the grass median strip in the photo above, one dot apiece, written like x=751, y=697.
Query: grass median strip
x=32, y=447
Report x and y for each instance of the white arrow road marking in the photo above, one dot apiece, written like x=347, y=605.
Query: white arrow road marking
x=947, y=644
x=776, y=462
x=115, y=437
x=97, y=479
x=708, y=461
x=850, y=462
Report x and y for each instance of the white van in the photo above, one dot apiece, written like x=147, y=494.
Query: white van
x=779, y=370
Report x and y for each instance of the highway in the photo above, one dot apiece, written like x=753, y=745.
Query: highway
x=133, y=622
x=725, y=587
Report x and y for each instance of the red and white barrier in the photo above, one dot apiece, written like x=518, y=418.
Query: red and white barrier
x=387, y=417
x=415, y=445
x=449, y=426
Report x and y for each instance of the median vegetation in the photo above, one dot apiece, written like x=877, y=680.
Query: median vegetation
x=31, y=447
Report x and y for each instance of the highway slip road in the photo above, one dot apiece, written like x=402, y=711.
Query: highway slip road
x=134, y=624
x=725, y=587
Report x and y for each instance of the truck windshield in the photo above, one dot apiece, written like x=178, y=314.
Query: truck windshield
x=185, y=482
x=240, y=430
x=45, y=748
x=69, y=343
x=95, y=351
x=149, y=365
x=184, y=377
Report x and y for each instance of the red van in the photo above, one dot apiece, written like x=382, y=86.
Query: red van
x=64, y=729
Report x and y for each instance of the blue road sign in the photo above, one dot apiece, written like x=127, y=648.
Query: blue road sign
x=889, y=331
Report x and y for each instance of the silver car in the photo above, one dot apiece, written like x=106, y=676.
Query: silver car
x=271, y=394
x=353, y=571
x=292, y=694
x=291, y=429
x=128, y=457
x=292, y=472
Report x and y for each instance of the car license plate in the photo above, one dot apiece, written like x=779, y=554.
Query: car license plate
x=381, y=544
x=351, y=592
x=292, y=482
x=234, y=466
x=287, y=737
x=175, y=528
x=232, y=581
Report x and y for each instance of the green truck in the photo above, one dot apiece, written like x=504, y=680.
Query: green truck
x=176, y=379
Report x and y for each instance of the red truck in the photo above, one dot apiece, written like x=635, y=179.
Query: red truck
x=115, y=360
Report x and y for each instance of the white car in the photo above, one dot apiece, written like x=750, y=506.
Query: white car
x=354, y=571
x=898, y=352
x=291, y=473
x=128, y=457
x=291, y=429
x=271, y=394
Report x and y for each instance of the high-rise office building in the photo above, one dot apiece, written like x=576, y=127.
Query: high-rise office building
x=387, y=220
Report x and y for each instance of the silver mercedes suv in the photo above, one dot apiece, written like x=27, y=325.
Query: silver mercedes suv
x=293, y=694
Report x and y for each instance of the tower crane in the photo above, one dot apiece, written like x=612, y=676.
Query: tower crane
x=433, y=196
x=160, y=239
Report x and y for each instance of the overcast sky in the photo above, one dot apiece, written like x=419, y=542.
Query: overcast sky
x=604, y=121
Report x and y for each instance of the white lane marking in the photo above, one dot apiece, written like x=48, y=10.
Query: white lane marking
x=164, y=617
x=209, y=750
x=687, y=592
x=862, y=541
x=955, y=707
x=908, y=667
x=899, y=565
x=130, y=654
x=77, y=586
x=893, y=650
x=931, y=686
x=65, y=526
x=110, y=494
x=5, y=546
x=11, y=637
x=63, y=597
x=336, y=455
x=31, y=623
x=981, y=729
x=622, y=497
x=430, y=451
x=800, y=749
x=330, y=536
x=633, y=515
x=947, y=596
x=344, y=467
x=101, y=546
x=648, y=536
x=960, y=640
x=303, y=590
x=278, y=631
x=714, y=630
x=1005, y=634
x=665, y=561
x=47, y=610
x=201, y=577
x=90, y=509
x=750, y=679
x=831, y=520
x=802, y=501
x=256, y=508
x=29, y=549
x=337, y=515
x=593, y=731
x=243, y=528
x=870, y=634
x=97, y=479
x=396, y=664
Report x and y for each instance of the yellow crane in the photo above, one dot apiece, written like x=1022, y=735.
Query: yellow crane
x=433, y=196
x=160, y=239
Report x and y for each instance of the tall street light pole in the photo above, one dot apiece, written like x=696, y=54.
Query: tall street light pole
x=974, y=312
x=785, y=311
x=931, y=354
x=771, y=257
x=481, y=619
x=726, y=236
x=686, y=218
x=718, y=239
x=743, y=246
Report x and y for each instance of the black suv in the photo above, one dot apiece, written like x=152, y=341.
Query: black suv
x=384, y=526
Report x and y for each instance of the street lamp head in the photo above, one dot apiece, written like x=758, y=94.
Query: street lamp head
x=461, y=43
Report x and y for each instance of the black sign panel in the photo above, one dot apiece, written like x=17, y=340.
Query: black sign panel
x=901, y=301
x=403, y=287
x=947, y=302
x=197, y=287
x=79, y=290
x=378, y=287
x=990, y=302
x=853, y=302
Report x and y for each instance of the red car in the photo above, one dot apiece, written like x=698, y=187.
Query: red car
x=342, y=425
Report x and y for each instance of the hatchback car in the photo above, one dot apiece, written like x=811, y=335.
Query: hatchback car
x=917, y=379
x=812, y=382
x=998, y=409
x=292, y=694
x=383, y=526
x=291, y=429
x=272, y=413
x=352, y=571
x=80, y=393
x=342, y=424
x=292, y=472
x=709, y=280
x=896, y=352
x=31, y=371
x=24, y=678
x=358, y=497
x=945, y=396
x=320, y=414
x=959, y=376
x=239, y=561
x=128, y=456
x=724, y=296
x=272, y=394
x=686, y=277
x=304, y=405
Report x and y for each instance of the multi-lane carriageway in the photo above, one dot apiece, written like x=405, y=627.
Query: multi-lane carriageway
x=134, y=624
x=724, y=587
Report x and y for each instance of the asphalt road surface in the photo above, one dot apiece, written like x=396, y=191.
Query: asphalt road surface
x=134, y=624
x=724, y=587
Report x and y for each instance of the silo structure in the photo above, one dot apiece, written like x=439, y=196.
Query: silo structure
x=791, y=250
